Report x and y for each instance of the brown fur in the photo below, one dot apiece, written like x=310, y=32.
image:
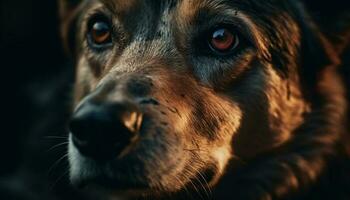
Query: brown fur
x=267, y=123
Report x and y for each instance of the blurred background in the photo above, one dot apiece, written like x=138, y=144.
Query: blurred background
x=36, y=87
x=37, y=79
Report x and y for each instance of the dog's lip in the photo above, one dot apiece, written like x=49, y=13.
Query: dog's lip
x=114, y=191
x=112, y=185
x=103, y=179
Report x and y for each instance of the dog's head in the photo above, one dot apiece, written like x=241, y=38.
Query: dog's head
x=168, y=92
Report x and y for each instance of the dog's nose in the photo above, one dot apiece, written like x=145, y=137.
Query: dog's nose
x=103, y=131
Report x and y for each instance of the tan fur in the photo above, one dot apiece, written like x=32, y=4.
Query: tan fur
x=272, y=110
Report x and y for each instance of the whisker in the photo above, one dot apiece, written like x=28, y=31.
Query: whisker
x=207, y=184
x=195, y=188
x=184, y=186
x=57, y=145
x=56, y=137
x=205, y=188
x=57, y=162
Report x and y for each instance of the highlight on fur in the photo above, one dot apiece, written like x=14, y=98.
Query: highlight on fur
x=161, y=114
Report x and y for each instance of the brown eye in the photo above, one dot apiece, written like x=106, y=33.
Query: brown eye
x=222, y=40
x=100, y=33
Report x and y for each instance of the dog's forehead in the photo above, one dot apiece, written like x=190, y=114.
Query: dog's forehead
x=145, y=18
x=186, y=8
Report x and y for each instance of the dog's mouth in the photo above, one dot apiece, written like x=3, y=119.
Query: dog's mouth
x=138, y=169
x=110, y=176
x=103, y=182
x=139, y=173
x=113, y=187
x=128, y=186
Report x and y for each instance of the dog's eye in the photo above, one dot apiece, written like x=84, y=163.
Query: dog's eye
x=222, y=40
x=100, y=33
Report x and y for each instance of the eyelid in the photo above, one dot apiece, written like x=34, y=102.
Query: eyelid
x=234, y=23
x=98, y=16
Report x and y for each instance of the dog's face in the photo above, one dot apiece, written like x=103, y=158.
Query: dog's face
x=169, y=92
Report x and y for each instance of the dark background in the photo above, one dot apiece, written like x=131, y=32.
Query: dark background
x=36, y=86
x=36, y=83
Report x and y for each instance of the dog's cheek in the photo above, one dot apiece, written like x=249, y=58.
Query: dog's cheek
x=221, y=155
x=203, y=120
x=286, y=108
x=227, y=115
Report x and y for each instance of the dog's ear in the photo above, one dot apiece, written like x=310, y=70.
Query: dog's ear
x=333, y=19
x=66, y=7
x=67, y=13
x=317, y=52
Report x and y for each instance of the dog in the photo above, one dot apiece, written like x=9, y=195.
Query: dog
x=204, y=99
